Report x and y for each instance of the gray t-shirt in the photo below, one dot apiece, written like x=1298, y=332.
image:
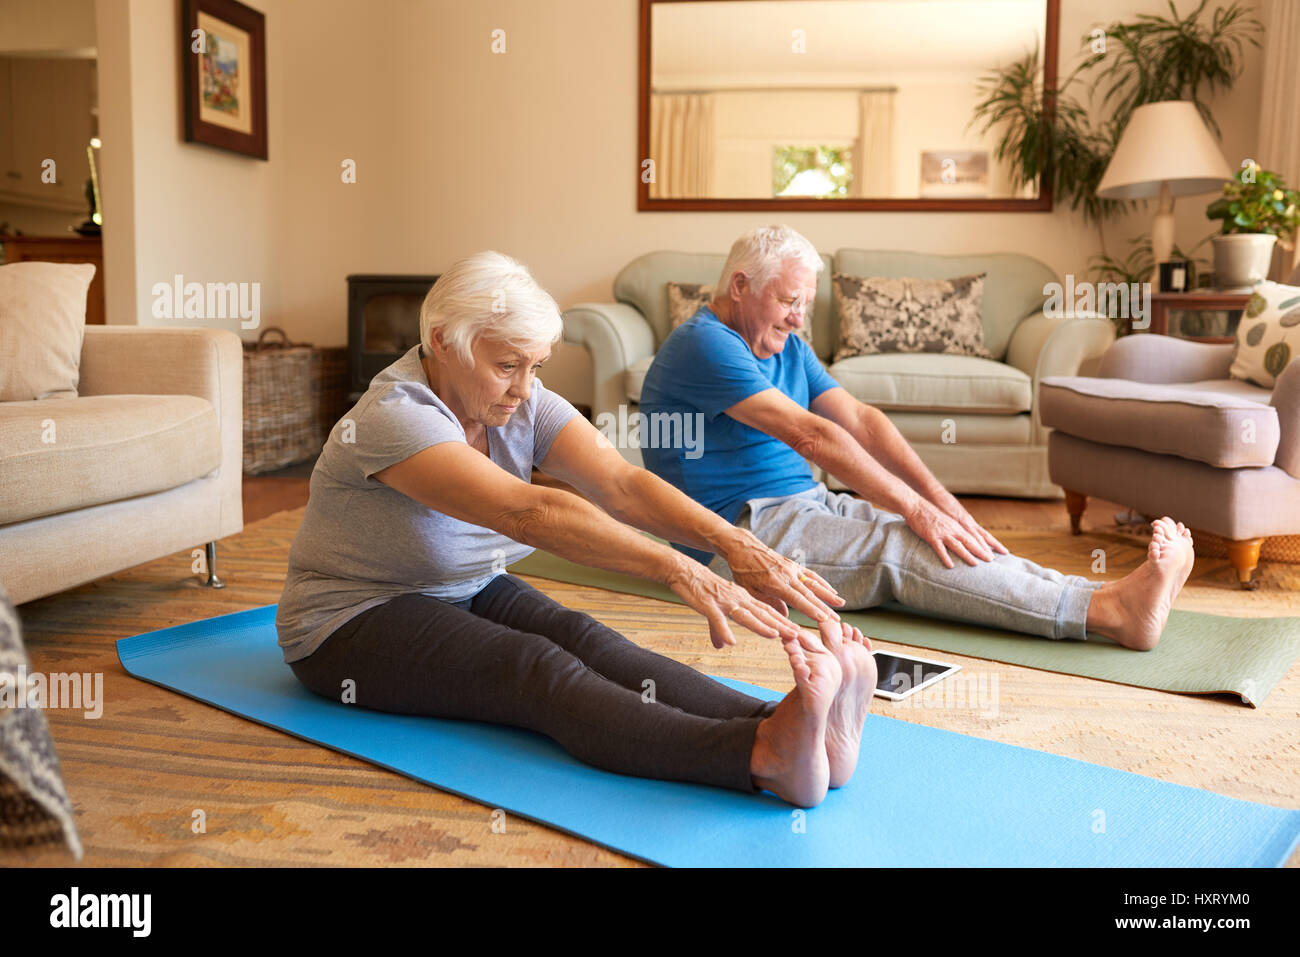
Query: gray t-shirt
x=362, y=542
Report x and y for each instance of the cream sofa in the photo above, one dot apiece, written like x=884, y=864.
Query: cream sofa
x=974, y=422
x=145, y=461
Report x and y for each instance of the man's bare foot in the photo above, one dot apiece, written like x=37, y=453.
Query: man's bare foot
x=852, y=702
x=789, y=756
x=1133, y=610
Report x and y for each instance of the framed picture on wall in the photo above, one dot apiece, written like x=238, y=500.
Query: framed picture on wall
x=962, y=173
x=224, y=70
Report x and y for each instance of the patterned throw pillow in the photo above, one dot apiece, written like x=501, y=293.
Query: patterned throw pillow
x=885, y=314
x=686, y=298
x=1267, y=335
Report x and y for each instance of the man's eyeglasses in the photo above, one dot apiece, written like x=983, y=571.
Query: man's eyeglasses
x=793, y=304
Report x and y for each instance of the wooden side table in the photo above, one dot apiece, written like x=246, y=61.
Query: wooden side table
x=1208, y=300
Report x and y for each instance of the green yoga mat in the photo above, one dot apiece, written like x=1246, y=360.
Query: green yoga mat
x=1198, y=654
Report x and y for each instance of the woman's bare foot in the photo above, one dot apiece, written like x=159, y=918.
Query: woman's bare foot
x=789, y=756
x=852, y=702
x=1133, y=610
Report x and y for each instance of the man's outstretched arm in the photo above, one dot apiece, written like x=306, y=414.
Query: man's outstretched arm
x=876, y=433
x=825, y=442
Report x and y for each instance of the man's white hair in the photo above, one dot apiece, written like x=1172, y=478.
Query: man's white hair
x=489, y=294
x=760, y=253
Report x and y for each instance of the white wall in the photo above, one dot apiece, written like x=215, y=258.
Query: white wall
x=47, y=26
x=207, y=214
x=36, y=221
x=116, y=160
x=532, y=152
x=932, y=116
x=47, y=102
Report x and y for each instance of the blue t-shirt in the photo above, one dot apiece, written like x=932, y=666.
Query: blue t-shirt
x=706, y=367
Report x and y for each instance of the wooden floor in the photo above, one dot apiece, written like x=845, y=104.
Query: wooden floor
x=138, y=775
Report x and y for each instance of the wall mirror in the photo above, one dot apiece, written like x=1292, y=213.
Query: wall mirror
x=830, y=104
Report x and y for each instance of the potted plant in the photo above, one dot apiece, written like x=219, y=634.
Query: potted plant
x=1257, y=211
x=1136, y=269
x=1061, y=137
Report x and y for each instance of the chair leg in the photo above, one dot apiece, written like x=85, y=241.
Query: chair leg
x=1244, y=556
x=1075, y=503
x=213, y=581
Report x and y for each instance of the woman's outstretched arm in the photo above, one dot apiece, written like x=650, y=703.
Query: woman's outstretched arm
x=456, y=480
x=581, y=456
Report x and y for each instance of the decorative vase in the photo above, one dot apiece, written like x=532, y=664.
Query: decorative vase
x=1241, y=260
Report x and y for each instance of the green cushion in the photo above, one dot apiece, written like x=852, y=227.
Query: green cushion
x=925, y=381
x=962, y=430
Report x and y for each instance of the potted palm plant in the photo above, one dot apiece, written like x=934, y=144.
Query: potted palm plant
x=1069, y=140
x=1257, y=211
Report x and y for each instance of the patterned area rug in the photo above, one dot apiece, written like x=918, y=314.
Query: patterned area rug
x=163, y=780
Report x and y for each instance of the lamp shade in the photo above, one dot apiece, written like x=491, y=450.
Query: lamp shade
x=1164, y=143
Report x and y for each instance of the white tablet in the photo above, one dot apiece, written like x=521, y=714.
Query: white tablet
x=898, y=676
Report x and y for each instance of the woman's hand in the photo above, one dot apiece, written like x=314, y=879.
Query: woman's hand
x=781, y=581
x=718, y=599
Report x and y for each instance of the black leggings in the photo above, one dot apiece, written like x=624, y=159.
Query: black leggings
x=510, y=655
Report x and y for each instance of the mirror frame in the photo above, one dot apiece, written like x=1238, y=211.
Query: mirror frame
x=644, y=203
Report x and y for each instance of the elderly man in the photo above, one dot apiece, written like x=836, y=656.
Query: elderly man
x=768, y=406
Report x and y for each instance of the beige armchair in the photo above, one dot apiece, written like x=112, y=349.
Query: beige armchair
x=1165, y=431
x=143, y=462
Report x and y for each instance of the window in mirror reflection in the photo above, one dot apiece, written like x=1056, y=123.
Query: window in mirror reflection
x=738, y=88
x=824, y=171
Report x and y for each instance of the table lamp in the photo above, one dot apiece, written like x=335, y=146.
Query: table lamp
x=1164, y=151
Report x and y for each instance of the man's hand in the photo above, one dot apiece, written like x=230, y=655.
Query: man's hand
x=780, y=581
x=954, y=509
x=945, y=533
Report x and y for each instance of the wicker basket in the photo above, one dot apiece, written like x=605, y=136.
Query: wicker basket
x=1276, y=548
x=329, y=382
x=281, y=418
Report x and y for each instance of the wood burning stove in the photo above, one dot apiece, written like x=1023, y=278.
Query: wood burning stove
x=383, y=324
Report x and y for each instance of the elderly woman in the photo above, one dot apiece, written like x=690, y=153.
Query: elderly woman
x=397, y=596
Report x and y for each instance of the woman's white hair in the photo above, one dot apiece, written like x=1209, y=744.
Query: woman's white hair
x=760, y=253
x=489, y=294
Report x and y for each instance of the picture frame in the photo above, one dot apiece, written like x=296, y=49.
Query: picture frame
x=223, y=56
x=961, y=172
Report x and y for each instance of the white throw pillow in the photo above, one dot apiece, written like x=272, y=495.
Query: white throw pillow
x=1268, y=335
x=42, y=324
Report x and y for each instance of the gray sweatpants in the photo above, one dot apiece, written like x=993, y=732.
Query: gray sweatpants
x=871, y=556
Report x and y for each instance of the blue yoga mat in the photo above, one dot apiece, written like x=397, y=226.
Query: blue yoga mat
x=921, y=796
